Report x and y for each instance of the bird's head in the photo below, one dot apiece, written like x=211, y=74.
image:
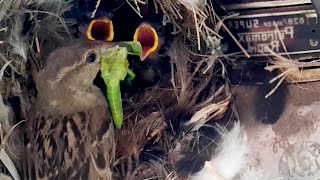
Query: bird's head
x=100, y=29
x=148, y=37
x=71, y=70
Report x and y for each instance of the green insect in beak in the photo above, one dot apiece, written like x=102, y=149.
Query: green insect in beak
x=115, y=68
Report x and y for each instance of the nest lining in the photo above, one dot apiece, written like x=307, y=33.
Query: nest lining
x=197, y=87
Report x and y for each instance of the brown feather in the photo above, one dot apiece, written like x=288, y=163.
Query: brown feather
x=70, y=134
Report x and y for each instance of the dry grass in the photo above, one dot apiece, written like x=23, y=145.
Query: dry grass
x=166, y=118
x=159, y=118
x=198, y=23
x=27, y=29
x=27, y=26
x=291, y=71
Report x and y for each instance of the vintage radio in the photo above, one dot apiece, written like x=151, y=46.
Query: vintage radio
x=289, y=28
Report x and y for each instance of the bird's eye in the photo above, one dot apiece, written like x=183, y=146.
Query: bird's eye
x=91, y=57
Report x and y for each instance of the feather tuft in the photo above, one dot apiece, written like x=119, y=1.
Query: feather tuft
x=230, y=156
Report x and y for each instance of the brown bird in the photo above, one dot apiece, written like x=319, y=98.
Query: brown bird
x=69, y=132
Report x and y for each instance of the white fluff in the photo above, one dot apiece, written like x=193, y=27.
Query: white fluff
x=253, y=174
x=230, y=157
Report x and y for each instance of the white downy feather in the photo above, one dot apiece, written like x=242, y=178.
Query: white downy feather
x=229, y=161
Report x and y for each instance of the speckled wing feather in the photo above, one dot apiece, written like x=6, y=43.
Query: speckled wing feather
x=78, y=145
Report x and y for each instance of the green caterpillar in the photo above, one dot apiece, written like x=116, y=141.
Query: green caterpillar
x=114, y=68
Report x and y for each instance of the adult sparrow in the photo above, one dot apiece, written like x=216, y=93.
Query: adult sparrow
x=69, y=132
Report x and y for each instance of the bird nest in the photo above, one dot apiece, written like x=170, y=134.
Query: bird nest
x=168, y=125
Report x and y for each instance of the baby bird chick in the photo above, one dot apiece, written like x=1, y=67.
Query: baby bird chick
x=153, y=63
x=148, y=37
x=69, y=132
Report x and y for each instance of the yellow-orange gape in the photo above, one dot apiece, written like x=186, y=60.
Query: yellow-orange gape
x=148, y=38
x=100, y=29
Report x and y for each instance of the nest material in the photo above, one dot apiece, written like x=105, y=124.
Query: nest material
x=166, y=125
x=28, y=30
x=291, y=71
x=196, y=21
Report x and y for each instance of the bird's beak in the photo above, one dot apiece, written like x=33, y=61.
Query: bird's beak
x=100, y=29
x=148, y=38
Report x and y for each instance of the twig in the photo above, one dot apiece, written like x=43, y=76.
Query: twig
x=95, y=9
x=6, y=137
x=135, y=10
x=232, y=36
x=197, y=28
x=129, y=169
x=157, y=131
x=281, y=40
x=135, y=171
x=276, y=87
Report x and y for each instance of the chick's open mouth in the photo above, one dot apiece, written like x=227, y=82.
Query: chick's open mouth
x=148, y=38
x=101, y=29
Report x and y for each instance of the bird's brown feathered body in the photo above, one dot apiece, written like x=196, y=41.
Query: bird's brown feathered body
x=69, y=132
